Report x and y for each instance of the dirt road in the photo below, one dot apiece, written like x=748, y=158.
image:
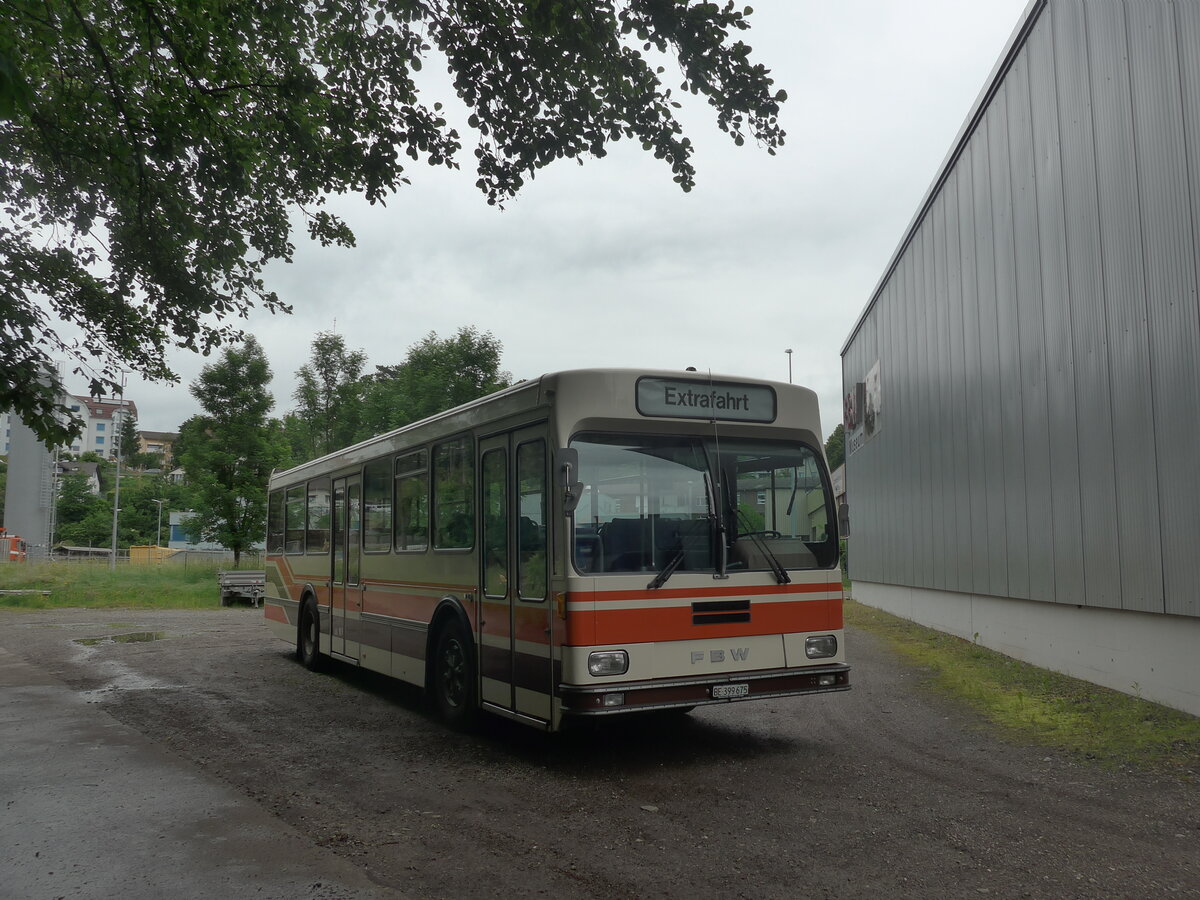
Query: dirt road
x=885, y=791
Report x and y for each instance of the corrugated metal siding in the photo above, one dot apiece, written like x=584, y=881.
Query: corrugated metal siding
x=1122, y=263
x=1035, y=415
x=1168, y=246
x=1008, y=333
x=1097, y=471
x=1065, y=528
x=1039, y=334
x=1183, y=562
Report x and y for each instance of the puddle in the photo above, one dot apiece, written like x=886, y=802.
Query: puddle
x=135, y=637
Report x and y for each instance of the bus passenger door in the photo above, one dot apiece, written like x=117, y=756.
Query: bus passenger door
x=347, y=565
x=514, y=652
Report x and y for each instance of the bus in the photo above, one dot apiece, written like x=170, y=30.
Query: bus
x=588, y=543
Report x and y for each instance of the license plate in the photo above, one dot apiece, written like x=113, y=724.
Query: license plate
x=730, y=691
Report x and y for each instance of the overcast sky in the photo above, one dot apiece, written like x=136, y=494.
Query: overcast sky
x=610, y=264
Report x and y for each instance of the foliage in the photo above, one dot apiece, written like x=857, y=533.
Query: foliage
x=296, y=439
x=128, y=432
x=84, y=519
x=150, y=153
x=329, y=395
x=229, y=452
x=835, y=447
x=435, y=376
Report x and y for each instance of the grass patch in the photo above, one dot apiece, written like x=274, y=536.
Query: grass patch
x=1041, y=707
x=93, y=585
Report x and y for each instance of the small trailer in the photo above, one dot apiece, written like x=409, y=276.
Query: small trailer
x=242, y=584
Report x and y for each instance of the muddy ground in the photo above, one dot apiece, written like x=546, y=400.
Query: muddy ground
x=885, y=791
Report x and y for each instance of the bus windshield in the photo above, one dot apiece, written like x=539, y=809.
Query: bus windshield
x=666, y=501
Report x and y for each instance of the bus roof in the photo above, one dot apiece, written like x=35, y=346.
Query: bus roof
x=616, y=385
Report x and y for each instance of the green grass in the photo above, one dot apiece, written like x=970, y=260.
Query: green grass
x=94, y=585
x=1041, y=707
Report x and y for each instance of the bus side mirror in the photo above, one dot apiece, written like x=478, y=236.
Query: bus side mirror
x=566, y=463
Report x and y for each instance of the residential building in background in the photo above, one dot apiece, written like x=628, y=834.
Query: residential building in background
x=162, y=442
x=1022, y=391
x=102, y=420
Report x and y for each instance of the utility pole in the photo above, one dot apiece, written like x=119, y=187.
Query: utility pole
x=158, y=532
x=117, y=490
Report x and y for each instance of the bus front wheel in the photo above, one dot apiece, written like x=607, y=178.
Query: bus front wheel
x=308, y=637
x=454, y=677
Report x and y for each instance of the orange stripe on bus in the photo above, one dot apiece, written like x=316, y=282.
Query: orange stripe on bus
x=644, y=625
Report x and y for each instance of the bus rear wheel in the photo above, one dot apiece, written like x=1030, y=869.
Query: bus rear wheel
x=454, y=677
x=308, y=637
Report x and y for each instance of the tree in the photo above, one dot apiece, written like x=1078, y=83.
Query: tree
x=130, y=443
x=150, y=153
x=230, y=450
x=435, y=376
x=81, y=518
x=329, y=394
x=835, y=447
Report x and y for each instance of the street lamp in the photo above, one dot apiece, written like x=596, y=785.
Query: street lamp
x=788, y=351
x=158, y=532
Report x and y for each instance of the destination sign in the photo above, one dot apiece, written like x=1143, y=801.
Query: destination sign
x=678, y=399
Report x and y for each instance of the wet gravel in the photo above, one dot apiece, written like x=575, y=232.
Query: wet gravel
x=886, y=791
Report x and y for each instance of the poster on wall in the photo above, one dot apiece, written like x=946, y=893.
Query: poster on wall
x=862, y=411
x=871, y=415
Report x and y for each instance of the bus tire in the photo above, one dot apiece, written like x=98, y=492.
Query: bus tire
x=308, y=637
x=454, y=677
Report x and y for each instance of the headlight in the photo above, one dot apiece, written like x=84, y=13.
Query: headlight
x=608, y=662
x=822, y=646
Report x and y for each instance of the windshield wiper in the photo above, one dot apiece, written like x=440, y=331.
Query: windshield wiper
x=781, y=575
x=680, y=555
x=667, y=571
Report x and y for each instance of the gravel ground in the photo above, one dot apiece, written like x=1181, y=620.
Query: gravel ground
x=886, y=791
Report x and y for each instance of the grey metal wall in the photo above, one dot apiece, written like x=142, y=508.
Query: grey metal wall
x=1038, y=331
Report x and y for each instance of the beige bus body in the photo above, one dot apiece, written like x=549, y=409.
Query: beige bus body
x=526, y=600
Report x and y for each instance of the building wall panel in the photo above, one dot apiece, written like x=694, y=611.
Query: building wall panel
x=961, y=495
x=1182, y=597
x=1168, y=246
x=927, y=435
x=1011, y=446
x=901, y=379
x=1066, y=528
x=1035, y=415
x=1093, y=400
x=973, y=388
x=1122, y=262
x=945, y=575
x=990, y=396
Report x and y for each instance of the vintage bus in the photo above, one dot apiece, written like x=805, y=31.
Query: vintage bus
x=587, y=543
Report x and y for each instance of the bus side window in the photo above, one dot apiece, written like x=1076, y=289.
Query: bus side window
x=275, y=522
x=377, y=506
x=453, y=492
x=412, y=501
x=293, y=541
x=317, y=530
x=531, y=526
